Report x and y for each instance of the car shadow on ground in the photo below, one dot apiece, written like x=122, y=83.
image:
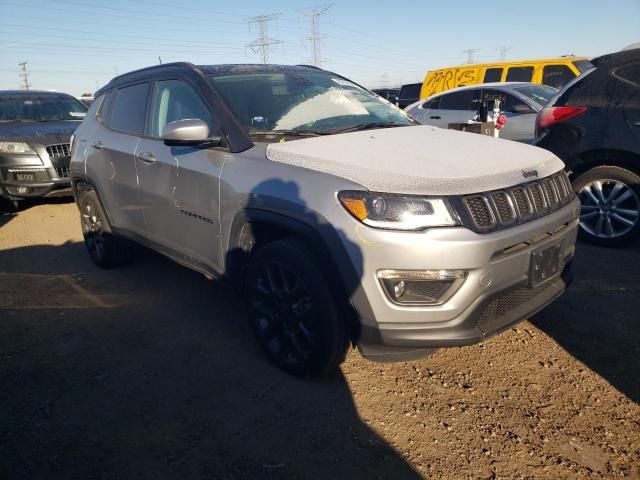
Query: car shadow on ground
x=150, y=371
x=598, y=319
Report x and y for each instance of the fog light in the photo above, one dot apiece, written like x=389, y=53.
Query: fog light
x=398, y=289
x=421, y=287
x=23, y=189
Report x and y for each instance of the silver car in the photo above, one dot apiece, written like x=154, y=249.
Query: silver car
x=519, y=101
x=340, y=219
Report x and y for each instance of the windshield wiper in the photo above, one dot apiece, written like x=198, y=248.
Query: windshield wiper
x=293, y=133
x=370, y=126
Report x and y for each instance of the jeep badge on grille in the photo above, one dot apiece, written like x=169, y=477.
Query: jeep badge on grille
x=529, y=173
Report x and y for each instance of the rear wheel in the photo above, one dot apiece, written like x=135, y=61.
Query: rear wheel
x=105, y=249
x=292, y=311
x=610, y=210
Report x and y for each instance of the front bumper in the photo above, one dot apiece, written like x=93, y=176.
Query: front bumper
x=48, y=179
x=494, y=296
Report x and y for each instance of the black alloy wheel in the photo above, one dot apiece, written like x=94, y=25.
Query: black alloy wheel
x=105, y=249
x=292, y=312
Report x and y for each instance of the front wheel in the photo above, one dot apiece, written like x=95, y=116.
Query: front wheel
x=105, y=249
x=292, y=311
x=610, y=210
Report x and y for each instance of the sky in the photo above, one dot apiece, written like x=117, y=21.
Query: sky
x=76, y=46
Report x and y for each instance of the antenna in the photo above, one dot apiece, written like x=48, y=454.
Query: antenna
x=263, y=43
x=315, y=39
x=24, y=75
x=470, y=52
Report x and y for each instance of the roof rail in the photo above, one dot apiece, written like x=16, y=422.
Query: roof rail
x=309, y=66
x=154, y=67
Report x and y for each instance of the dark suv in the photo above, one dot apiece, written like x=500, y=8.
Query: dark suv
x=409, y=94
x=35, y=133
x=593, y=124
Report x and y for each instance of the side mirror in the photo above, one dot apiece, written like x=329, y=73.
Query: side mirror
x=190, y=131
x=522, y=108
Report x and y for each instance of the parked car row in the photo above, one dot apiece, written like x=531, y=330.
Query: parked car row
x=593, y=124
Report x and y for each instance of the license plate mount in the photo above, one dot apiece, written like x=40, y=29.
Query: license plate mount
x=545, y=265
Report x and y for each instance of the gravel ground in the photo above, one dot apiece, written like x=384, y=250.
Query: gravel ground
x=150, y=371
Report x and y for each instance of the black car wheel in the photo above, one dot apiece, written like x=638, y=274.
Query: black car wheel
x=9, y=206
x=105, y=249
x=292, y=311
x=610, y=210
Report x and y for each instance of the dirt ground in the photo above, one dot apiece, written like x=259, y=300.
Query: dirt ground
x=151, y=372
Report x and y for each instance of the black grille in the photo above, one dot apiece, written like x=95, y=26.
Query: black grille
x=525, y=209
x=506, y=214
x=489, y=211
x=480, y=211
x=63, y=172
x=504, y=304
x=537, y=196
x=59, y=150
x=550, y=191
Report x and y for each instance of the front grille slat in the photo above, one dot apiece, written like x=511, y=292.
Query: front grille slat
x=58, y=150
x=490, y=211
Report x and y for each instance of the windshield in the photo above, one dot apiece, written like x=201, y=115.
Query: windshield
x=35, y=108
x=310, y=102
x=541, y=94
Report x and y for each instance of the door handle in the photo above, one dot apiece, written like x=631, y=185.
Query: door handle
x=97, y=145
x=146, y=157
x=435, y=117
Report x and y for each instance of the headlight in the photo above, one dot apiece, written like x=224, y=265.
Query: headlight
x=398, y=212
x=15, y=147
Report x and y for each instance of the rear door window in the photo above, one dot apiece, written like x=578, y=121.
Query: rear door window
x=433, y=103
x=519, y=74
x=461, y=100
x=556, y=75
x=507, y=100
x=129, y=109
x=492, y=75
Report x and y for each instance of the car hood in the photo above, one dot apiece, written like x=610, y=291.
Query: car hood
x=38, y=133
x=419, y=160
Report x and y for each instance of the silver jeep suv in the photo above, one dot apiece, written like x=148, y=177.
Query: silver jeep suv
x=340, y=219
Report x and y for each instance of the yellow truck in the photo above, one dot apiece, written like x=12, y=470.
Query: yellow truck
x=555, y=72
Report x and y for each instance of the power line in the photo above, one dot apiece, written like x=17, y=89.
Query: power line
x=24, y=75
x=263, y=43
x=503, y=49
x=316, y=37
x=470, y=52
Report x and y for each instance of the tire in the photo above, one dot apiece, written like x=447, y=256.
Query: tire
x=105, y=249
x=292, y=312
x=610, y=211
x=9, y=206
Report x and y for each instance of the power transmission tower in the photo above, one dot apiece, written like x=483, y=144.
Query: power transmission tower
x=503, y=51
x=24, y=75
x=384, y=80
x=315, y=39
x=470, y=52
x=263, y=43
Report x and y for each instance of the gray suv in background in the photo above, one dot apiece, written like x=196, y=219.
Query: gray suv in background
x=35, y=132
x=341, y=220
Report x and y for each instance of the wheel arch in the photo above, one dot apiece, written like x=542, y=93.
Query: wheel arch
x=253, y=228
x=585, y=161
